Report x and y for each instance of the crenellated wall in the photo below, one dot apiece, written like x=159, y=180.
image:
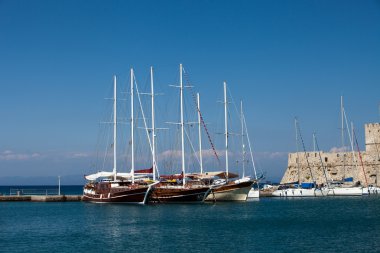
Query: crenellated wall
x=372, y=137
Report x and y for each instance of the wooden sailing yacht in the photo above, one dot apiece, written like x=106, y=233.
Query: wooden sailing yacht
x=179, y=188
x=226, y=189
x=114, y=187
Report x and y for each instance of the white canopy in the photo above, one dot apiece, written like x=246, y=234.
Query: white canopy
x=106, y=174
x=220, y=174
x=124, y=175
x=95, y=176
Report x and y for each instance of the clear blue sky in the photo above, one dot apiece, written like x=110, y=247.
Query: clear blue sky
x=283, y=58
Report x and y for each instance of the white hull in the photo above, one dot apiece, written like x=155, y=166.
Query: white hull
x=254, y=193
x=346, y=191
x=239, y=194
x=371, y=190
x=298, y=192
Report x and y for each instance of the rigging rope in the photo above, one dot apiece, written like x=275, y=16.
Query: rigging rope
x=320, y=159
x=201, y=117
x=304, y=149
x=360, y=157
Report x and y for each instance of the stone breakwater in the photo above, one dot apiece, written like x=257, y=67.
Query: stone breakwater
x=338, y=165
x=39, y=198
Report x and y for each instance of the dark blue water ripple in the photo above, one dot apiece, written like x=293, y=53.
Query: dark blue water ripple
x=269, y=225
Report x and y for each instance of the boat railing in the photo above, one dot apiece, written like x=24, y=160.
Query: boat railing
x=18, y=192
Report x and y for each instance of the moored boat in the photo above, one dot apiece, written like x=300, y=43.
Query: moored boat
x=114, y=187
x=303, y=190
x=345, y=191
x=226, y=189
x=169, y=193
x=298, y=192
x=176, y=188
x=220, y=188
x=346, y=187
x=116, y=192
x=254, y=193
x=231, y=191
x=371, y=189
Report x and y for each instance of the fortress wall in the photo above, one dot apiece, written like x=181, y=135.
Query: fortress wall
x=372, y=137
x=338, y=165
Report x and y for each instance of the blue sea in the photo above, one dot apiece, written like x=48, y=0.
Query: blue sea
x=331, y=224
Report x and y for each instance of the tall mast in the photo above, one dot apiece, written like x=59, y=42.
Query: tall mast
x=242, y=135
x=351, y=140
x=304, y=150
x=132, y=131
x=320, y=159
x=342, y=118
x=342, y=135
x=226, y=126
x=182, y=125
x=199, y=133
x=352, y=132
x=360, y=156
x=297, y=149
x=250, y=147
x=114, y=128
x=153, y=127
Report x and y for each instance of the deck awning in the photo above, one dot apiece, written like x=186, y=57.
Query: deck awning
x=106, y=174
x=220, y=174
x=100, y=174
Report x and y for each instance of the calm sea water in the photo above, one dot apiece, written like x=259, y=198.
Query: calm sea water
x=350, y=224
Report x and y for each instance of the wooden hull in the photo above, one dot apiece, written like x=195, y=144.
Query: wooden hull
x=230, y=192
x=119, y=195
x=170, y=194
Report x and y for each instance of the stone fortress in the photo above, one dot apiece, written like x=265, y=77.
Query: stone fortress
x=339, y=165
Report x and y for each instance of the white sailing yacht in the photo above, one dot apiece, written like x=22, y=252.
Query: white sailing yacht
x=344, y=188
x=305, y=189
